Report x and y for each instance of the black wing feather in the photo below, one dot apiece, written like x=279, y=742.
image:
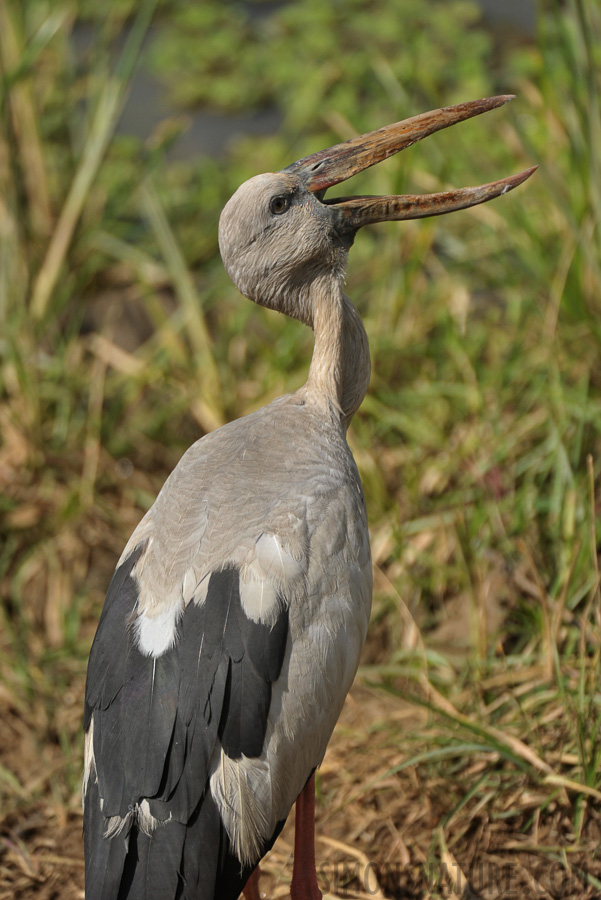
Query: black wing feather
x=149, y=707
x=245, y=711
x=108, y=654
x=108, y=747
x=153, y=862
x=265, y=645
x=156, y=724
x=104, y=859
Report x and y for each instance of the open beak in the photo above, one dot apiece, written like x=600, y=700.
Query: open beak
x=328, y=167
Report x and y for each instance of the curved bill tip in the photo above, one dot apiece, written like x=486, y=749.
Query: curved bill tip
x=353, y=213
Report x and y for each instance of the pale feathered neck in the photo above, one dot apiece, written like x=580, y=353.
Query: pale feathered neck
x=340, y=367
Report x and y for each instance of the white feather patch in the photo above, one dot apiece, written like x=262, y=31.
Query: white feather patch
x=275, y=561
x=89, y=763
x=119, y=825
x=189, y=583
x=246, y=818
x=146, y=820
x=141, y=814
x=258, y=596
x=157, y=634
x=195, y=587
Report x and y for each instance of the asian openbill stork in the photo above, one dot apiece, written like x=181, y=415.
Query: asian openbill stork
x=234, y=622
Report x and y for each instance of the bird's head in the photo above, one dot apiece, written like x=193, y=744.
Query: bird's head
x=279, y=235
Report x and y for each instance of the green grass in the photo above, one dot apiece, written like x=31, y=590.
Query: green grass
x=478, y=442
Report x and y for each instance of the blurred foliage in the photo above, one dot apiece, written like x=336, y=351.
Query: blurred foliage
x=122, y=339
x=311, y=56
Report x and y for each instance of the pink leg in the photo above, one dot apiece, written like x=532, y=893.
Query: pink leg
x=304, y=877
x=251, y=890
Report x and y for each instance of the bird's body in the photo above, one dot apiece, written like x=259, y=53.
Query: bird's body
x=301, y=619
x=234, y=623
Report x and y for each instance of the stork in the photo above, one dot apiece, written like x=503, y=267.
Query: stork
x=234, y=622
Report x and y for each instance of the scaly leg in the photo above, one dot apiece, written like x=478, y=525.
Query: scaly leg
x=304, y=877
x=251, y=889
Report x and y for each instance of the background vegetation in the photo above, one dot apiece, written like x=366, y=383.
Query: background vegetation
x=470, y=749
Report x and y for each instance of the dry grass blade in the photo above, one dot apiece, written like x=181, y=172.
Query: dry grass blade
x=67, y=861
x=13, y=270
x=500, y=738
x=210, y=407
x=114, y=356
x=24, y=115
x=453, y=871
x=369, y=876
x=571, y=785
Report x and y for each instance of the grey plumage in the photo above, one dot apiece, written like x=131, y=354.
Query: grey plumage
x=251, y=688
x=234, y=623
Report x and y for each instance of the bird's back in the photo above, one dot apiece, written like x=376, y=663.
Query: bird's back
x=229, y=638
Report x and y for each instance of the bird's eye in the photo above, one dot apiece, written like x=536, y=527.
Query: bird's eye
x=279, y=205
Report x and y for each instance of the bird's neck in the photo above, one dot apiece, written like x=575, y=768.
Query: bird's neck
x=340, y=367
